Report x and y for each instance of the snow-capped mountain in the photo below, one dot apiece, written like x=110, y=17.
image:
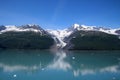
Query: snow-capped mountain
x=76, y=27
x=34, y=28
x=61, y=37
x=25, y=37
x=59, y=33
x=94, y=28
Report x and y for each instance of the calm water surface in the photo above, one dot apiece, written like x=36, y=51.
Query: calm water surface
x=70, y=65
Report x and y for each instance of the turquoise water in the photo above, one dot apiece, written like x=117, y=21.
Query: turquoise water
x=70, y=65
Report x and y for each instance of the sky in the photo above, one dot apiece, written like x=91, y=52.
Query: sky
x=60, y=14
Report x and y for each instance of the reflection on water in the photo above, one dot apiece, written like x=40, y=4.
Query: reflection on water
x=59, y=62
x=73, y=65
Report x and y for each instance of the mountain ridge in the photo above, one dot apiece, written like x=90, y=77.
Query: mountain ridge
x=35, y=27
x=64, y=39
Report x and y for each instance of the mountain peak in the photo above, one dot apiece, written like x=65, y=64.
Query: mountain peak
x=75, y=26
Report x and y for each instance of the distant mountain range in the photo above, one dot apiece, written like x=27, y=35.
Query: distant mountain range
x=77, y=37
